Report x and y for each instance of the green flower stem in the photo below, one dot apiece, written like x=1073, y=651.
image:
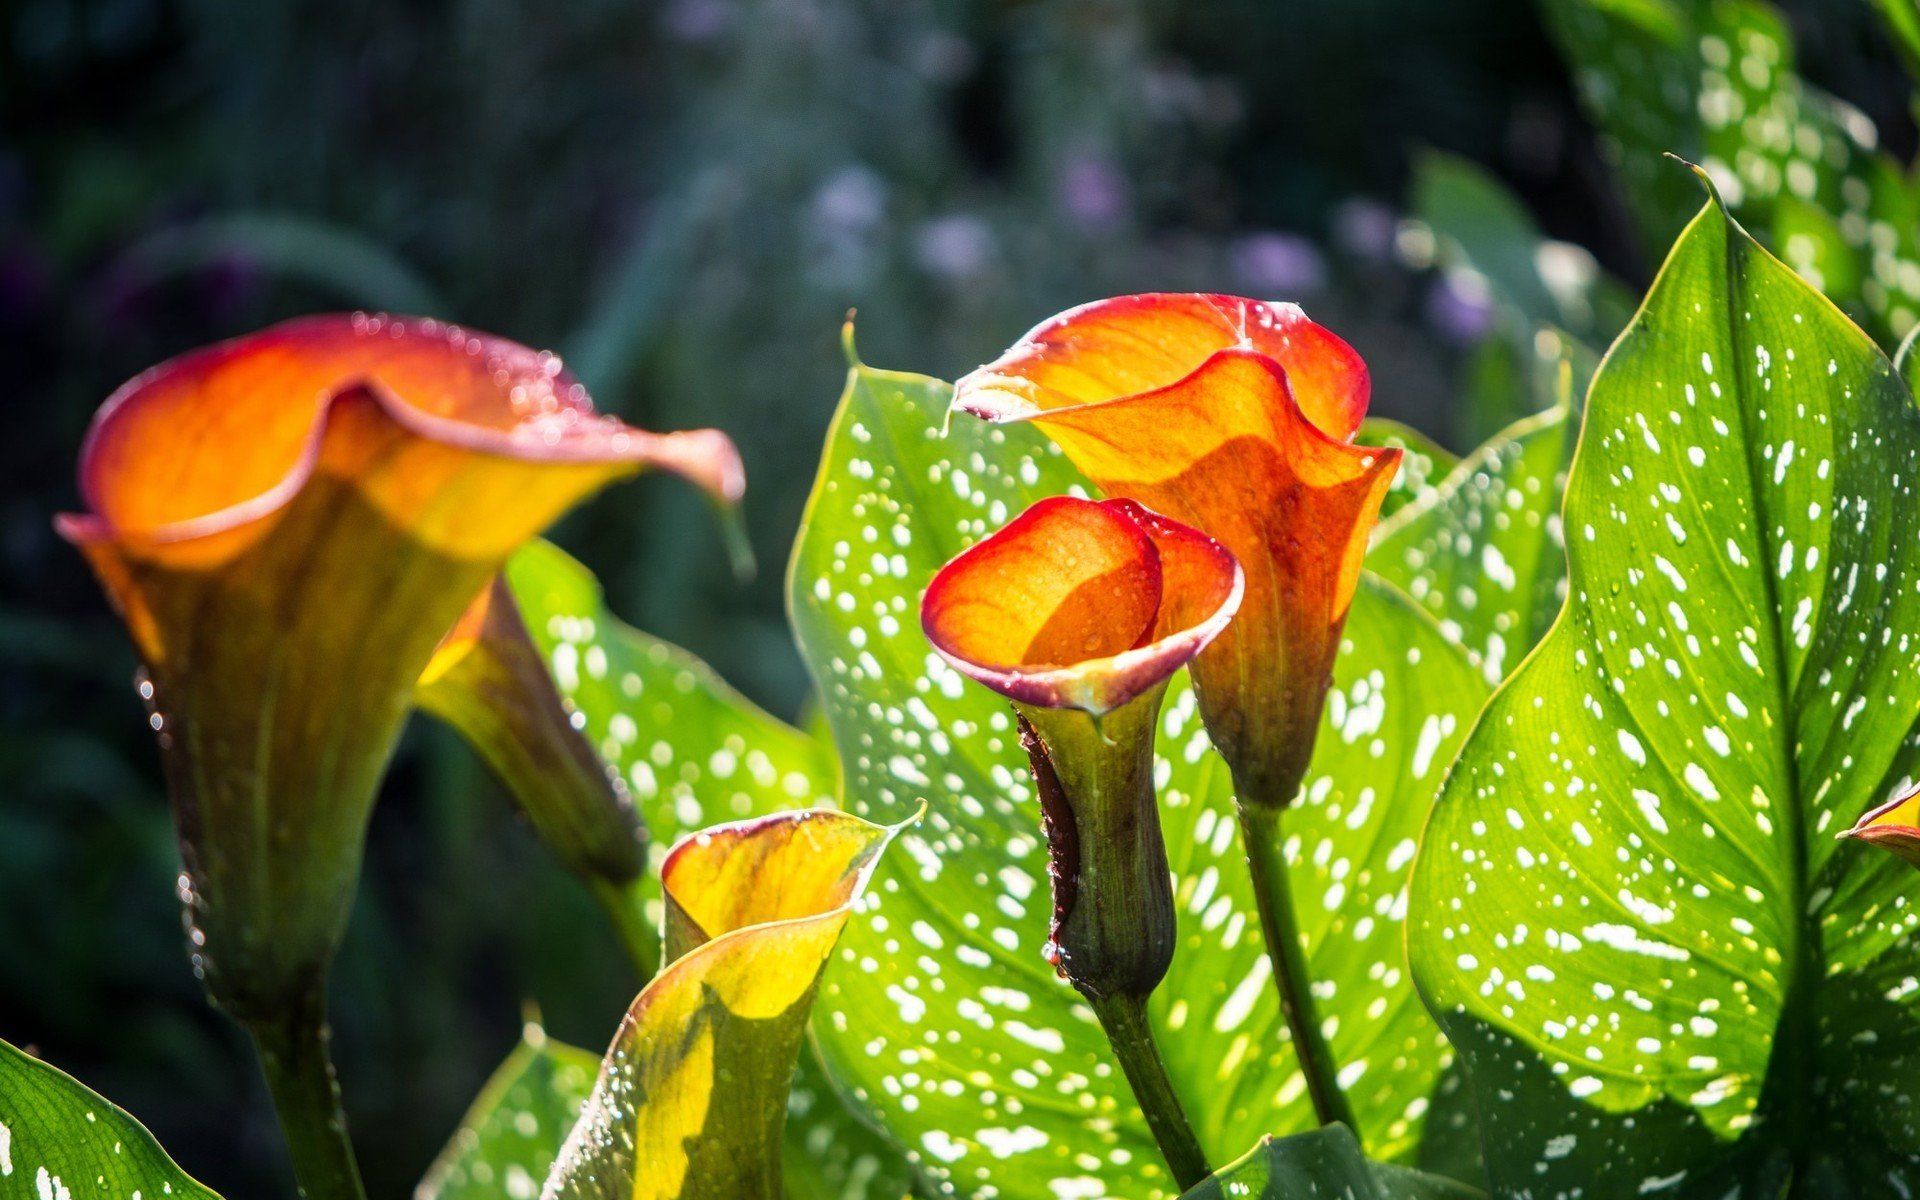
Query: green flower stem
x=1125, y=1020
x=1260, y=831
x=627, y=913
x=299, y=1069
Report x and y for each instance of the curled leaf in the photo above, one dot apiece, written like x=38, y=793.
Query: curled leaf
x=692, y=1096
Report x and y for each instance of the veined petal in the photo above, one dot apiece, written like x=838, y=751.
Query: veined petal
x=1081, y=604
x=692, y=1095
x=288, y=524
x=1894, y=827
x=1132, y=344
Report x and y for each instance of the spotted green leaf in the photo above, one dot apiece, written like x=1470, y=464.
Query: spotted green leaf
x=506, y=1143
x=1423, y=461
x=694, y=752
x=1715, y=82
x=1322, y=1164
x=60, y=1140
x=944, y=1019
x=1665, y=975
x=1482, y=550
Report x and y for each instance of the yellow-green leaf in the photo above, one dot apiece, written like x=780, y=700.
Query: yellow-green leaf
x=692, y=1097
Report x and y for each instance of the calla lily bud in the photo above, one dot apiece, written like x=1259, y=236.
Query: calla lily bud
x=1236, y=417
x=1079, y=612
x=488, y=681
x=1894, y=827
x=289, y=523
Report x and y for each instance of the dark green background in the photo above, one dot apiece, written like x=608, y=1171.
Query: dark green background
x=682, y=198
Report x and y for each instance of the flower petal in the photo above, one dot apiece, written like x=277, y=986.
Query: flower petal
x=778, y=868
x=1226, y=450
x=692, y=1095
x=1070, y=605
x=1894, y=827
x=192, y=458
x=1132, y=344
x=288, y=524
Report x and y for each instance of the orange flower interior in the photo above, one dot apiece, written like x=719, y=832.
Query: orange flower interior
x=1081, y=604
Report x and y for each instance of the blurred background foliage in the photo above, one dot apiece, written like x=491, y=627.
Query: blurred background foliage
x=683, y=198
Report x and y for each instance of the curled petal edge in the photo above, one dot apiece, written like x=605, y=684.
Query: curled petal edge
x=1002, y=390
x=705, y=457
x=1101, y=685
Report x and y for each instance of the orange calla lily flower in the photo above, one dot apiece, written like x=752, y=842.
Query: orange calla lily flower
x=1235, y=416
x=1894, y=827
x=1079, y=612
x=1081, y=604
x=289, y=523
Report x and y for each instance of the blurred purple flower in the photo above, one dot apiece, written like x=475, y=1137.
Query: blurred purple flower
x=1460, y=307
x=845, y=226
x=851, y=201
x=698, y=21
x=956, y=247
x=1278, y=265
x=1092, y=192
x=1365, y=229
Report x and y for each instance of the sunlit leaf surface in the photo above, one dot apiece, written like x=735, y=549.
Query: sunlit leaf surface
x=506, y=1143
x=1715, y=82
x=1423, y=462
x=1664, y=973
x=59, y=1141
x=693, y=751
x=1482, y=551
x=943, y=1017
